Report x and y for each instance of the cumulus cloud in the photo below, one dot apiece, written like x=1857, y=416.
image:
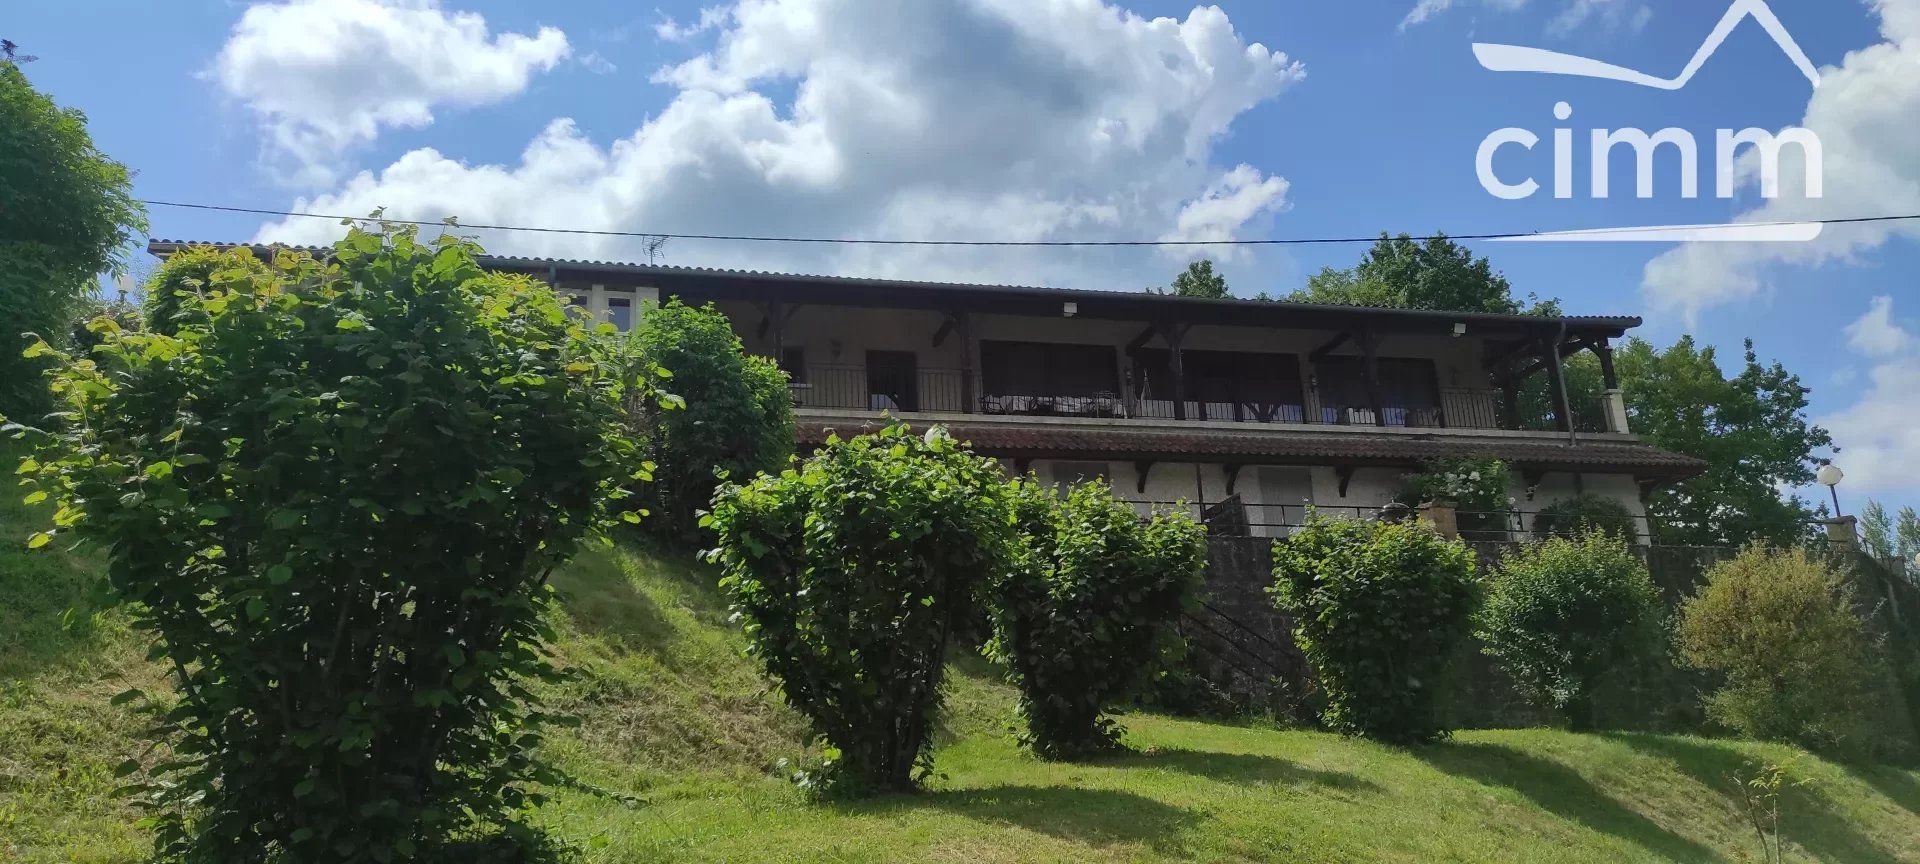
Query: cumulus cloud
x=325, y=76
x=1863, y=114
x=1875, y=334
x=970, y=119
x=669, y=30
x=1878, y=432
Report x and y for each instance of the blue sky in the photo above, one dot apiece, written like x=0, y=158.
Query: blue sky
x=1063, y=119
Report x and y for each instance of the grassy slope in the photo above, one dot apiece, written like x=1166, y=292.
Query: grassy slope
x=675, y=716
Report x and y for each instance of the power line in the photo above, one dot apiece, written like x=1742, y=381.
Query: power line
x=1296, y=241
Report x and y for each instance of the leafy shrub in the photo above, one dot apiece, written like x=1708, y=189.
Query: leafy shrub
x=1081, y=616
x=1478, y=487
x=68, y=213
x=852, y=573
x=1561, y=615
x=1575, y=517
x=333, y=497
x=1798, y=662
x=181, y=283
x=1379, y=608
x=738, y=420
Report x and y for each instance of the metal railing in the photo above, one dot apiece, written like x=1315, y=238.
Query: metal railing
x=1237, y=517
x=943, y=390
x=851, y=386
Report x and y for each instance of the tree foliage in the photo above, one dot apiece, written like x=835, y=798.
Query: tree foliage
x=1476, y=486
x=1892, y=540
x=65, y=212
x=851, y=573
x=1751, y=428
x=1797, y=659
x=1437, y=273
x=1563, y=614
x=737, y=421
x=332, y=495
x=1087, y=607
x=1582, y=514
x=1378, y=609
x=1199, y=280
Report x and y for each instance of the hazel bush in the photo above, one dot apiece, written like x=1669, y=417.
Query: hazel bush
x=1561, y=616
x=852, y=574
x=1379, y=609
x=331, y=491
x=1087, y=607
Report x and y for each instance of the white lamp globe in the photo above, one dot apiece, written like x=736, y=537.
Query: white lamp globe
x=1830, y=475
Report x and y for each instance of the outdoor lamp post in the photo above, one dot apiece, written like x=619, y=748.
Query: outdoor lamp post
x=1830, y=477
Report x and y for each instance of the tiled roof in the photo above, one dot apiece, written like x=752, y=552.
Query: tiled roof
x=1356, y=448
x=1622, y=322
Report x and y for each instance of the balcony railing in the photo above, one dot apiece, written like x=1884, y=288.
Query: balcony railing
x=943, y=390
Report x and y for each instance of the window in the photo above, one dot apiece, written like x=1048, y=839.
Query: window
x=1226, y=385
x=620, y=312
x=1409, y=390
x=793, y=361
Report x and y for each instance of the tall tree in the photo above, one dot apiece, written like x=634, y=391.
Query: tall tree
x=1894, y=540
x=1199, y=280
x=66, y=210
x=1436, y=273
x=1751, y=428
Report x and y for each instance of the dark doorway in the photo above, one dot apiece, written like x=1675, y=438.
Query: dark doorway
x=893, y=381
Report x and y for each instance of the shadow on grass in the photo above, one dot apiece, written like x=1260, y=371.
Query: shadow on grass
x=1900, y=787
x=1243, y=768
x=1097, y=817
x=1805, y=817
x=48, y=602
x=1563, y=792
x=599, y=595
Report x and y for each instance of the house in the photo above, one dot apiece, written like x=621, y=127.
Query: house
x=1250, y=412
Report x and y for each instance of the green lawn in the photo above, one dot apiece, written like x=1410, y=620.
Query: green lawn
x=675, y=716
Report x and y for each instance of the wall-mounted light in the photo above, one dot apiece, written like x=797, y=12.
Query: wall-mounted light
x=1460, y=329
x=1069, y=309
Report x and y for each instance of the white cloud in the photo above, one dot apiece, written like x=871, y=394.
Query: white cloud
x=1632, y=15
x=1878, y=434
x=711, y=18
x=1875, y=334
x=594, y=62
x=1000, y=119
x=1863, y=113
x=1229, y=202
x=1610, y=15
x=325, y=76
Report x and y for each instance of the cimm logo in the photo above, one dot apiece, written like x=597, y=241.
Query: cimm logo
x=1602, y=142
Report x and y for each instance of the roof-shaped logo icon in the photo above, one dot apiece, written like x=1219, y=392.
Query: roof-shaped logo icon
x=1519, y=58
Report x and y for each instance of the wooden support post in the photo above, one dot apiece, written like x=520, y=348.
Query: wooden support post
x=1370, y=358
x=963, y=323
x=1562, y=407
x=1175, y=334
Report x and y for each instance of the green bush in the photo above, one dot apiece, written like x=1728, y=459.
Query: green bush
x=1378, y=609
x=1575, y=517
x=182, y=281
x=1796, y=657
x=333, y=497
x=1087, y=607
x=1563, y=615
x=66, y=213
x=852, y=573
x=738, y=420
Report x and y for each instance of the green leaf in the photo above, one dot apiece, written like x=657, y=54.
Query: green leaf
x=125, y=696
x=127, y=767
x=38, y=540
x=35, y=497
x=279, y=574
x=256, y=608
